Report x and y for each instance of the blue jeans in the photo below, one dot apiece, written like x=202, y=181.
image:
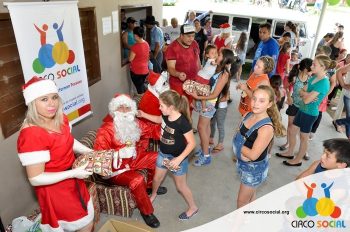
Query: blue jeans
x=345, y=121
x=183, y=165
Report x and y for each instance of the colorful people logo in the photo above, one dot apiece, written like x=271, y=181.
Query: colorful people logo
x=323, y=206
x=50, y=54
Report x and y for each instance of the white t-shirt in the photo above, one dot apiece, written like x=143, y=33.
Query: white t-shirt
x=174, y=33
x=208, y=70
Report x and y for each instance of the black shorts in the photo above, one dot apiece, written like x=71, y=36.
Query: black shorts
x=292, y=110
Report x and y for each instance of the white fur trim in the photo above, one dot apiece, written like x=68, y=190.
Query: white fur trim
x=226, y=30
x=73, y=225
x=38, y=89
x=34, y=157
x=159, y=86
x=121, y=100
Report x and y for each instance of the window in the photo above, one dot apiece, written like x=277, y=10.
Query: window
x=90, y=42
x=12, y=107
x=218, y=20
x=240, y=24
x=279, y=29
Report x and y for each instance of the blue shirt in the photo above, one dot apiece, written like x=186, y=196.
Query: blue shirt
x=156, y=37
x=267, y=48
x=322, y=87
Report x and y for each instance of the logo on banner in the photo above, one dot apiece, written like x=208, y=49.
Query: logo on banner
x=323, y=206
x=58, y=53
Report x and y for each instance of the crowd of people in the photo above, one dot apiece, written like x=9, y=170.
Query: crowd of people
x=188, y=53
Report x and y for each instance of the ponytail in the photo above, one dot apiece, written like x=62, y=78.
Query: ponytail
x=275, y=116
x=184, y=108
x=180, y=103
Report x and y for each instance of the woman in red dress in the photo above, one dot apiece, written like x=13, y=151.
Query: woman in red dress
x=45, y=147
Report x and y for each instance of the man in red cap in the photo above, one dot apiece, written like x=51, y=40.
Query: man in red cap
x=149, y=102
x=129, y=137
x=182, y=57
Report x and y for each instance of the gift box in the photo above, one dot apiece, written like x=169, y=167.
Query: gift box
x=113, y=225
x=93, y=195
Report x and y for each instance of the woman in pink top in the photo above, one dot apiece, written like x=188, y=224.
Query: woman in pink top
x=138, y=57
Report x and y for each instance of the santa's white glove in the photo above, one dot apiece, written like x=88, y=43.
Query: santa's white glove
x=127, y=152
x=47, y=178
x=78, y=147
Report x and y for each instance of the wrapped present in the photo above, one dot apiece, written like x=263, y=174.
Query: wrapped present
x=193, y=86
x=93, y=195
x=99, y=162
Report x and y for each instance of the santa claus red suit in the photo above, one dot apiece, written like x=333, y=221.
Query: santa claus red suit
x=149, y=102
x=129, y=137
x=64, y=201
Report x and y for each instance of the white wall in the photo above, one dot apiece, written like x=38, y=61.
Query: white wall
x=16, y=195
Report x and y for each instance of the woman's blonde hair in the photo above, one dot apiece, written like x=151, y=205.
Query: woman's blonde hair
x=180, y=103
x=33, y=118
x=274, y=114
x=327, y=62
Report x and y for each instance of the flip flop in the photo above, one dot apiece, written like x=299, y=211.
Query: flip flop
x=183, y=216
x=282, y=156
x=217, y=149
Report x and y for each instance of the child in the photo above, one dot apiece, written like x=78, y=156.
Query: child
x=176, y=142
x=250, y=144
x=294, y=59
x=283, y=60
x=204, y=75
x=263, y=66
x=220, y=83
x=280, y=92
x=241, y=50
x=336, y=155
x=297, y=79
x=311, y=96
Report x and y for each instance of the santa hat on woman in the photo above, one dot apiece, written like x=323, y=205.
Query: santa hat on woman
x=121, y=100
x=225, y=28
x=37, y=87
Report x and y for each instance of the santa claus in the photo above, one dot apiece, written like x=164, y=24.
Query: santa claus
x=158, y=83
x=129, y=137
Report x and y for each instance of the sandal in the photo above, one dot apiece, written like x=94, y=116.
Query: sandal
x=183, y=216
x=217, y=149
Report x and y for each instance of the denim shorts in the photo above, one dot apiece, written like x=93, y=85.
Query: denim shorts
x=304, y=121
x=210, y=109
x=183, y=165
x=253, y=174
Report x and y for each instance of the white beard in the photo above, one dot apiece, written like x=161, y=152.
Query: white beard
x=126, y=127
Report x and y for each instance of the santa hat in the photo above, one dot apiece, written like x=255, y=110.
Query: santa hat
x=37, y=87
x=225, y=28
x=153, y=78
x=121, y=100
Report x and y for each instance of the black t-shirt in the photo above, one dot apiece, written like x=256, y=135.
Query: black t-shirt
x=172, y=140
x=250, y=141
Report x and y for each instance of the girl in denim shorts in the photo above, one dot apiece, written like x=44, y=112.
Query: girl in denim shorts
x=176, y=142
x=250, y=143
